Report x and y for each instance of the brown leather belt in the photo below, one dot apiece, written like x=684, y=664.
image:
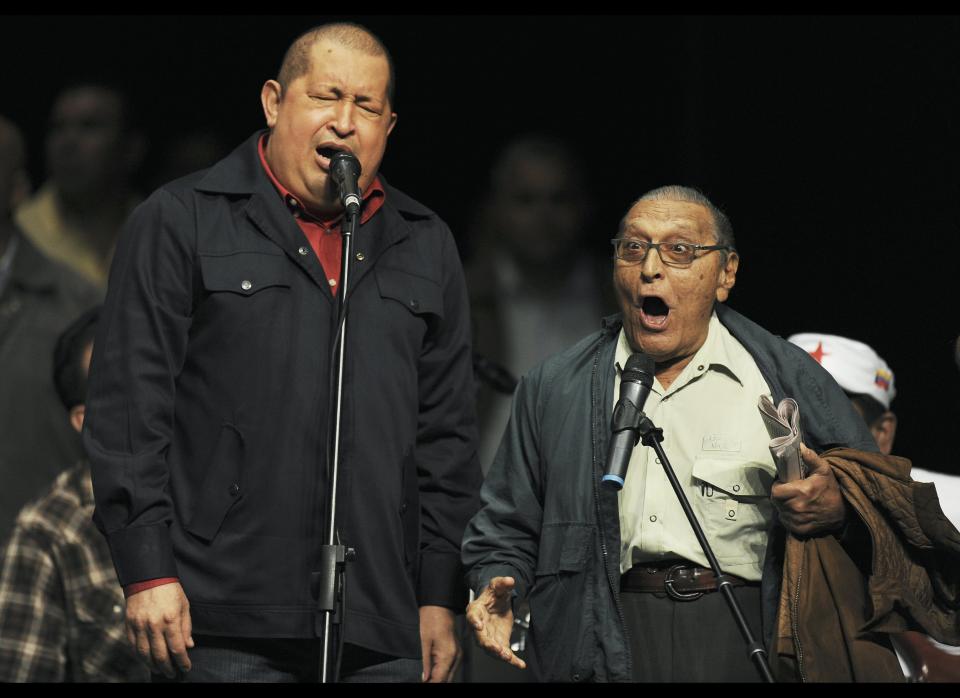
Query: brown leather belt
x=681, y=581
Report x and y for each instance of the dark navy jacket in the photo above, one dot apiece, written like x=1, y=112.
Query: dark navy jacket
x=208, y=402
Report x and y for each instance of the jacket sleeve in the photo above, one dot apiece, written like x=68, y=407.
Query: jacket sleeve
x=138, y=354
x=503, y=539
x=448, y=468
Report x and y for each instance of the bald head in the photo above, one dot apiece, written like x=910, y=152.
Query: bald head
x=296, y=61
x=14, y=184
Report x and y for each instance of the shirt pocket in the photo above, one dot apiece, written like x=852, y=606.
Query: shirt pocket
x=732, y=500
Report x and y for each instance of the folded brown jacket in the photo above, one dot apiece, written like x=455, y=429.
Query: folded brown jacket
x=834, y=615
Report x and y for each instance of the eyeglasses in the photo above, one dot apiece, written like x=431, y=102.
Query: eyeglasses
x=677, y=254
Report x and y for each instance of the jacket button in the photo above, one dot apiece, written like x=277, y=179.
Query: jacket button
x=360, y=256
x=576, y=677
x=403, y=508
x=234, y=490
x=302, y=251
x=414, y=304
x=246, y=285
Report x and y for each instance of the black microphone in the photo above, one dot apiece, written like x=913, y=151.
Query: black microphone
x=636, y=379
x=345, y=170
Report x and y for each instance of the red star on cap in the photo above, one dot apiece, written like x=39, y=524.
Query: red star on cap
x=819, y=353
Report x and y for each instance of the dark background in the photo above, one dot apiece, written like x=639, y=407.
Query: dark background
x=831, y=142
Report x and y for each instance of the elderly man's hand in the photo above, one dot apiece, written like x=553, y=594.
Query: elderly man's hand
x=491, y=616
x=159, y=628
x=814, y=505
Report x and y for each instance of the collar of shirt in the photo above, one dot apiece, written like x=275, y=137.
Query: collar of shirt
x=373, y=197
x=712, y=356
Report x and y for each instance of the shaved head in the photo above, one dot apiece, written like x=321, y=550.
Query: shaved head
x=296, y=61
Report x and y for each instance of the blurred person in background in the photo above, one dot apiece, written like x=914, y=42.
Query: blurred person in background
x=61, y=607
x=535, y=288
x=38, y=298
x=93, y=152
x=869, y=383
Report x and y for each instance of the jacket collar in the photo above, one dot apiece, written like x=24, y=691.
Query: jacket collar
x=241, y=174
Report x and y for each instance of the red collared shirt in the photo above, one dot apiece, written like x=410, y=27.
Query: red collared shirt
x=324, y=235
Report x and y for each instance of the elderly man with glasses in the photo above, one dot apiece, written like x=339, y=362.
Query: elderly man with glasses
x=617, y=583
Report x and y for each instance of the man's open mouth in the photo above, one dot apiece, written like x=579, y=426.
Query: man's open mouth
x=654, y=312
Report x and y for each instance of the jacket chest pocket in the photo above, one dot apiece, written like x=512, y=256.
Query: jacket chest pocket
x=244, y=274
x=410, y=302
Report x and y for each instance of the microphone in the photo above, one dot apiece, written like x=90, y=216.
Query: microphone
x=636, y=379
x=345, y=170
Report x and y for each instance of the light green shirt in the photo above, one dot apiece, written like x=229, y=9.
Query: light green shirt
x=716, y=441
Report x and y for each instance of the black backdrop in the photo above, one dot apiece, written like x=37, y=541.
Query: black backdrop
x=830, y=141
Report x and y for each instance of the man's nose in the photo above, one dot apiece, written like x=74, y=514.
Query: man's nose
x=343, y=122
x=652, y=266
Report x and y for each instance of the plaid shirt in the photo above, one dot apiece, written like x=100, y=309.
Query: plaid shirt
x=61, y=608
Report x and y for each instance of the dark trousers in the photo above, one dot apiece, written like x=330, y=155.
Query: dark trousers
x=257, y=660
x=690, y=640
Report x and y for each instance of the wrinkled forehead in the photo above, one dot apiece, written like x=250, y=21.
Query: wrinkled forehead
x=344, y=66
x=657, y=219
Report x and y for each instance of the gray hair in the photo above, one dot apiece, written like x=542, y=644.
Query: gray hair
x=722, y=228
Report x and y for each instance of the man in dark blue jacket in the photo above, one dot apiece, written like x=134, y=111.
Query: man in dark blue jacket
x=209, y=397
x=617, y=584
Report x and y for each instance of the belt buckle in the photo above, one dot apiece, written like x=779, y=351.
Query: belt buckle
x=679, y=595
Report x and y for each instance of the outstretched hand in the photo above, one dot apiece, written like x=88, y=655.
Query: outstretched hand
x=491, y=617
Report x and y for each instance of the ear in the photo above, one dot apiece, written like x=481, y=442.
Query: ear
x=884, y=431
x=270, y=97
x=76, y=417
x=393, y=122
x=728, y=276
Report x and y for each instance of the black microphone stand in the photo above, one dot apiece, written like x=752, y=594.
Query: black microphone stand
x=651, y=436
x=328, y=585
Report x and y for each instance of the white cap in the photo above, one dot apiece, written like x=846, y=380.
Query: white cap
x=854, y=365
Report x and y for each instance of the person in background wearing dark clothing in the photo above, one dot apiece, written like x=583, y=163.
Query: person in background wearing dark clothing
x=536, y=285
x=38, y=298
x=61, y=609
x=93, y=152
x=617, y=582
x=209, y=397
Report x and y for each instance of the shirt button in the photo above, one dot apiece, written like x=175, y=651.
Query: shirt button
x=234, y=490
x=653, y=519
x=736, y=488
x=731, y=513
x=246, y=285
x=658, y=461
x=360, y=256
x=302, y=251
x=700, y=368
x=332, y=282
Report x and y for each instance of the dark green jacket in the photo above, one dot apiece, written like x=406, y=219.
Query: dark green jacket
x=547, y=522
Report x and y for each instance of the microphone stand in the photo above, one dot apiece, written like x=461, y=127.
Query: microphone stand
x=329, y=584
x=651, y=436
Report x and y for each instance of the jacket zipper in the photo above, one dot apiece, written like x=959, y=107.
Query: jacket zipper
x=596, y=495
x=794, y=620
